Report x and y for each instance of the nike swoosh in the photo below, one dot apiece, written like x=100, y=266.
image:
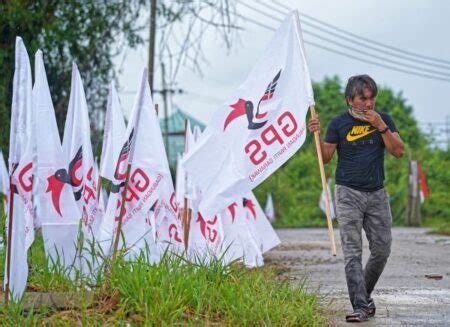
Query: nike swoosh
x=351, y=138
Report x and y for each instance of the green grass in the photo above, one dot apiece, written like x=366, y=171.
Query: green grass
x=173, y=292
x=438, y=225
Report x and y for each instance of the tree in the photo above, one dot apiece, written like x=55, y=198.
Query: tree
x=88, y=32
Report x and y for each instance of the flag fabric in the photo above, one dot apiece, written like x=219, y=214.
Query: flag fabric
x=57, y=211
x=4, y=182
x=259, y=128
x=180, y=184
x=269, y=210
x=150, y=190
x=21, y=153
x=205, y=233
x=77, y=150
x=262, y=231
x=322, y=204
x=238, y=241
x=424, y=193
x=114, y=134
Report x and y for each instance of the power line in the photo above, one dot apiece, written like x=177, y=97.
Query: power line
x=374, y=55
x=447, y=62
x=340, y=37
x=317, y=45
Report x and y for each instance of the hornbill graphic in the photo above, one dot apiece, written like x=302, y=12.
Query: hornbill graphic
x=123, y=157
x=247, y=203
x=232, y=209
x=62, y=176
x=245, y=107
x=207, y=228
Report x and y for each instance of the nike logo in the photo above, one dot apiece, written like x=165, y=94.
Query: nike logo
x=358, y=132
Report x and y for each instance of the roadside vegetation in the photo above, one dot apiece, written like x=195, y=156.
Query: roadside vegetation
x=172, y=292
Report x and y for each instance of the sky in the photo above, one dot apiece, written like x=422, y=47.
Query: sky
x=418, y=26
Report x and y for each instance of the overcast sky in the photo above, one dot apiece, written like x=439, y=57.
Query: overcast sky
x=418, y=26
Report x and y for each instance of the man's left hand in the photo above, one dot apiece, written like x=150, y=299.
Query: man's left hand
x=374, y=119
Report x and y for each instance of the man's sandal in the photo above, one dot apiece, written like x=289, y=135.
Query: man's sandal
x=357, y=316
x=372, y=309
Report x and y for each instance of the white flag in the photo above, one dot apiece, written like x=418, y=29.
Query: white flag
x=259, y=128
x=197, y=133
x=238, y=242
x=322, y=204
x=56, y=209
x=20, y=165
x=180, y=183
x=269, y=210
x=114, y=134
x=261, y=229
x=205, y=236
x=150, y=190
x=77, y=149
x=4, y=182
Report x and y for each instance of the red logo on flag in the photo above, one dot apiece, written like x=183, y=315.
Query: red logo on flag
x=245, y=107
x=62, y=176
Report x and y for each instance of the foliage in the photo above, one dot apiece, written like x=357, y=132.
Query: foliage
x=296, y=187
x=88, y=32
x=172, y=292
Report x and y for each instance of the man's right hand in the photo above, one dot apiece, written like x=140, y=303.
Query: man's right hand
x=314, y=125
x=327, y=148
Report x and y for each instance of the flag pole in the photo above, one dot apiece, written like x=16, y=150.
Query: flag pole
x=99, y=186
x=8, y=245
x=324, y=186
x=186, y=222
x=122, y=207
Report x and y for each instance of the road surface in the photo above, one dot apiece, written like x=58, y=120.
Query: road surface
x=404, y=295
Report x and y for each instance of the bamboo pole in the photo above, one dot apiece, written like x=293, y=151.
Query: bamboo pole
x=122, y=206
x=8, y=245
x=186, y=221
x=324, y=186
x=99, y=186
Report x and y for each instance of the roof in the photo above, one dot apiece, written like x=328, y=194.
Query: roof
x=176, y=121
x=175, y=126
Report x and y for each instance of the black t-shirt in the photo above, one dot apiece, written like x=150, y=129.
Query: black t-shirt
x=360, y=149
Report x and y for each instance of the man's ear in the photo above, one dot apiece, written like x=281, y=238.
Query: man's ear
x=349, y=101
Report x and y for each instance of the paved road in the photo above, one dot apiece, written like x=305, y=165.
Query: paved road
x=404, y=296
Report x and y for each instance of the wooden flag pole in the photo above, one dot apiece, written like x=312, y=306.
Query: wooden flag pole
x=186, y=221
x=324, y=186
x=8, y=245
x=122, y=207
x=99, y=186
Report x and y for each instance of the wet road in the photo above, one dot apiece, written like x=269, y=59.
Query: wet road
x=404, y=296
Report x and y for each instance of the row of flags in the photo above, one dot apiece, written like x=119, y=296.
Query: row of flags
x=56, y=186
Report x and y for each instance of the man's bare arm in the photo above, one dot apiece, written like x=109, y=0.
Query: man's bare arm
x=327, y=148
x=392, y=140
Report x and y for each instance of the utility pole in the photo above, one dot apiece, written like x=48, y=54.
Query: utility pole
x=413, y=217
x=151, y=43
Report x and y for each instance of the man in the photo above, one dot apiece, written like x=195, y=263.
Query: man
x=360, y=136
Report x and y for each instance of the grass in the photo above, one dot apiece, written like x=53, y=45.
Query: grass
x=438, y=225
x=174, y=292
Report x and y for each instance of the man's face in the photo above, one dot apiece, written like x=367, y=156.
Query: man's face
x=365, y=101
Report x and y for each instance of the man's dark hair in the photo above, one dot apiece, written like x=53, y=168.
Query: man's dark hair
x=357, y=84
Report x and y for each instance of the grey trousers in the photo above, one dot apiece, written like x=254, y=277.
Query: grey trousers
x=356, y=210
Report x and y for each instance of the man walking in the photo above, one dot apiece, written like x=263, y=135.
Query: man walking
x=361, y=136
